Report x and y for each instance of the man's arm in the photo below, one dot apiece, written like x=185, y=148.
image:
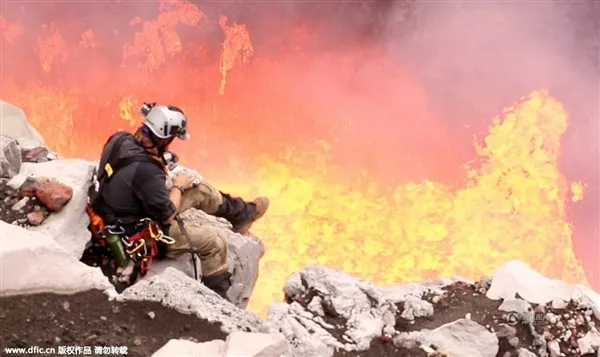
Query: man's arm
x=175, y=197
x=149, y=186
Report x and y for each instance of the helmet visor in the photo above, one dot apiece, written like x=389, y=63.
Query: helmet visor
x=179, y=131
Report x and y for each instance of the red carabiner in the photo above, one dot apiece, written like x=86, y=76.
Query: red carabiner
x=139, y=235
x=153, y=248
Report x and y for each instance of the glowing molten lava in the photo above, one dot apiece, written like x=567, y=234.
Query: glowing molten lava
x=361, y=174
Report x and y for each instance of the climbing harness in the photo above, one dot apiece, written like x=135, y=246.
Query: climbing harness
x=140, y=247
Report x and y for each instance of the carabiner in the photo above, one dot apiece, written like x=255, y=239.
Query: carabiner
x=127, y=242
x=140, y=245
x=143, y=220
x=167, y=240
x=156, y=235
x=145, y=250
x=115, y=230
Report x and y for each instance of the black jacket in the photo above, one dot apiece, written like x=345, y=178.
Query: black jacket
x=135, y=191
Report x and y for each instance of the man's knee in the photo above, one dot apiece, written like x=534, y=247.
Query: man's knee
x=215, y=260
x=212, y=244
x=204, y=197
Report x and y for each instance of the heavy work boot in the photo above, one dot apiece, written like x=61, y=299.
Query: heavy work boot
x=219, y=283
x=261, y=205
x=242, y=214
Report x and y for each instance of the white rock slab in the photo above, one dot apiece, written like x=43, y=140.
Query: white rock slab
x=516, y=277
x=185, y=348
x=256, y=345
x=32, y=262
x=174, y=289
x=14, y=124
x=464, y=338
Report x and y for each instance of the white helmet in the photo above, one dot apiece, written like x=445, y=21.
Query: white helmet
x=165, y=121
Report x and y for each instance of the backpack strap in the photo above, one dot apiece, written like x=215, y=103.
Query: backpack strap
x=102, y=172
x=114, y=163
x=108, y=170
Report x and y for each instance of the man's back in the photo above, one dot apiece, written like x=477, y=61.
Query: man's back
x=136, y=190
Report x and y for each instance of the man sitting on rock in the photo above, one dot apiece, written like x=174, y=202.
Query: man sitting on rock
x=138, y=190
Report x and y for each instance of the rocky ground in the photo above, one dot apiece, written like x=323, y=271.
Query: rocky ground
x=89, y=319
x=8, y=200
x=521, y=329
x=37, y=197
x=561, y=322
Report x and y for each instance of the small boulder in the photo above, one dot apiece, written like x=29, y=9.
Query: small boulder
x=185, y=348
x=559, y=304
x=590, y=343
x=463, y=338
x=36, y=218
x=37, y=154
x=30, y=186
x=54, y=195
x=415, y=307
x=10, y=157
x=21, y=204
x=256, y=345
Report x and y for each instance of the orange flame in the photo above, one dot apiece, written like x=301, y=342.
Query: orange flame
x=51, y=47
x=10, y=31
x=236, y=46
x=370, y=196
x=158, y=41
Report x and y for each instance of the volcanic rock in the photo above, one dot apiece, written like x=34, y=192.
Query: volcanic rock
x=515, y=277
x=559, y=304
x=10, y=157
x=186, y=348
x=35, y=218
x=416, y=307
x=38, y=154
x=462, y=337
x=237, y=344
x=256, y=345
x=589, y=343
x=34, y=263
x=54, y=195
x=20, y=204
x=175, y=289
x=69, y=227
x=464, y=321
x=525, y=353
x=30, y=186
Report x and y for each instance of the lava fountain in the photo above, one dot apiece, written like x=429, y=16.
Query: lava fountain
x=362, y=175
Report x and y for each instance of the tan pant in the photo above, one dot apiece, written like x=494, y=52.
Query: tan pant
x=211, y=241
